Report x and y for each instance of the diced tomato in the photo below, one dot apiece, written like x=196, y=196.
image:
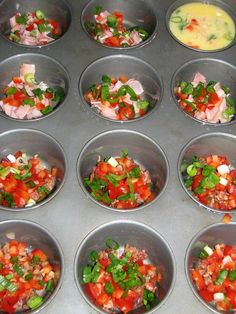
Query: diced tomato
x=39, y=105
x=231, y=295
x=197, y=277
x=126, y=112
x=214, y=98
x=40, y=254
x=35, y=284
x=206, y=295
x=30, y=27
x=40, y=21
x=194, y=22
x=231, y=251
x=190, y=27
x=10, y=184
x=125, y=304
x=17, y=79
x=119, y=16
x=196, y=181
x=104, y=262
x=112, y=41
x=95, y=289
x=48, y=95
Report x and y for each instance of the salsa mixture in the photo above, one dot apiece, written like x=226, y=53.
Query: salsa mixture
x=25, y=98
x=202, y=26
x=119, y=182
x=33, y=28
x=26, y=276
x=215, y=276
x=118, y=98
x=212, y=180
x=206, y=101
x=121, y=280
x=109, y=30
x=24, y=180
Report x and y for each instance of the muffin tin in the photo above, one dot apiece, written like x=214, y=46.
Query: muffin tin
x=71, y=215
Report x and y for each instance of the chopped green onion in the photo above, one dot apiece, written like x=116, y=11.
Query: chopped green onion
x=94, y=256
x=22, y=19
x=11, y=91
x=104, y=92
x=35, y=260
x=112, y=244
x=191, y=170
x=109, y=288
x=39, y=14
x=50, y=285
x=14, y=259
x=112, y=21
x=98, y=10
x=18, y=270
x=232, y=275
x=28, y=276
x=106, y=79
x=47, y=110
x=124, y=153
x=124, y=89
x=143, y=104
x=35, y=302
x=176, y=19
x=221, y=277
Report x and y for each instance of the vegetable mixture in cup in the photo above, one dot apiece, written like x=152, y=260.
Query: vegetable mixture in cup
x=120, y=182
x=24, y=180
x=109, y=30
x=212, y=180
x=33, y=28
x=121, y=279
x=118, y=98
x=25, y=98
x=206, y=101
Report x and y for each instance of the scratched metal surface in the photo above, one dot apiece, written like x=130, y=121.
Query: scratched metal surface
x=70, y=215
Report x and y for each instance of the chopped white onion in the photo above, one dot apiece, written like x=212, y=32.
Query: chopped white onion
x=11, y=235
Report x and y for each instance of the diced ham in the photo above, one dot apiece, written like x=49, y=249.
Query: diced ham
x=104, y=110
x=29, y=90
x=35, y=113
x=102, y=17
x=136, y=86
x=220, y=92
x=22, y=111
x=27, y=68
x=198, y=78
x=200, y=115
x=9, y=110
x=13, y=21
x=135, y=37
x=42, y=38
x=114, y=87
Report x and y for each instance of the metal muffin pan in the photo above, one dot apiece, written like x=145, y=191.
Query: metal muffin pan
x=70, y=216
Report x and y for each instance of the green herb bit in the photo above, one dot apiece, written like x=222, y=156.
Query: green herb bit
x=43, y=28
x=97, y=10
x=188, y=183
x=124, y=197
x=135, y=172
x=11, y=91
x=124, y=153
x=124, y=89
x=14, y=37
x=38, y=92
x=59, y=95
x=35, y=260
x=4, y=171
x=225, y=89
x=124, y=45
x=87, y=274
x=109, y=288
x=229, y=112
x=221, y=277
x=22, y=19
x=106, y=79
x=28, y=101
x=183, y=24
x=210, y=181
x=191, y=170
x=112, y=244
x=211, y=37
x=228, y=36
x=232, y=275
x=112, y=21
x=229, y=101
x=1, y=265
x=35, y=302
x=14, y=259
x=210, y=89
x=149, y=298
x=48, y=109
x=39, y=14
x=8, y=198
x=94, y=256
x=176, y=19
x=50, y=285
x=207, y=170
x=190, y=104
x=104, y=91
x=199, y=190
x=96, y=185
x=28, y=276
x=143, y=104
x=187, y=89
